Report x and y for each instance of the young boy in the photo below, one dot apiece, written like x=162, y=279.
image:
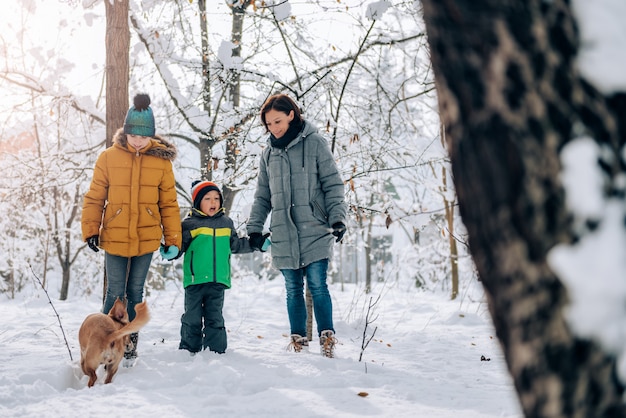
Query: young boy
x=209, y=238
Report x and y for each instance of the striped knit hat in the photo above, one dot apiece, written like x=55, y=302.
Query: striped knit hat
x=200, y=188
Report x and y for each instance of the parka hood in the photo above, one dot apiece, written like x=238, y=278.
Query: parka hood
x=306, y=130
x=159, y=147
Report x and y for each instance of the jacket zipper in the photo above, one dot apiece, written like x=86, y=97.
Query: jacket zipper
x=214, y=257
x=193, y=275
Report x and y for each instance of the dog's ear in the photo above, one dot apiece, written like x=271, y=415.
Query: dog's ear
x=118, y=311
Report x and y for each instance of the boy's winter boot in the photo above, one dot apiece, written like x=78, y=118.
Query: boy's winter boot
x=327, y=343
x=297, y=342
x=130, y=355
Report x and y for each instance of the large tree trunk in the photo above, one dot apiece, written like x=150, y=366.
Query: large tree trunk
x=117, y=42
x=509, y=95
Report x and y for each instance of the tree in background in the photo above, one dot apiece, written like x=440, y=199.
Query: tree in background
x=512, y=100
x=117, y=43
x=46, y=136
x=210, y=111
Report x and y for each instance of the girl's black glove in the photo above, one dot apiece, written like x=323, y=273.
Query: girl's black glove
x=93, y=243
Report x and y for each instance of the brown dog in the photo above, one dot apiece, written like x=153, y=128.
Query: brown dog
x=103, y=338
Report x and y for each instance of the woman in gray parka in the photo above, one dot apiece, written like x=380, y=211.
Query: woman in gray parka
x=299, y=183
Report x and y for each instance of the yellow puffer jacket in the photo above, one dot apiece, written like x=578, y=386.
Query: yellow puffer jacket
x=132, y=203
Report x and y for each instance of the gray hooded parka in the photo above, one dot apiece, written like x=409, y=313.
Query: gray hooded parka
x=302, y=188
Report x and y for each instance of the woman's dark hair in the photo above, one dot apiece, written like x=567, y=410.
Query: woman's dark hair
x=281, y=103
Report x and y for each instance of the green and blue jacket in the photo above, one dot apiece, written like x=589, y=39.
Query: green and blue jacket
x=208, y=242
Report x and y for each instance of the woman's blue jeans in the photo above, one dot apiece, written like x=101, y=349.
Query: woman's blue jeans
x=117, y=284
x=316, y=274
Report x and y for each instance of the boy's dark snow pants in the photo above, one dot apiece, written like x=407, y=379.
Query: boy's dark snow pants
x=202, y=324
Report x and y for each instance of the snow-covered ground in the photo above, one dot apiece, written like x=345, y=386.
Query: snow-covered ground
x=424, y=360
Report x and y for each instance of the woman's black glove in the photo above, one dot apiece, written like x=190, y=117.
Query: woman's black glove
x=93, y=243
x=338, y=230
x=257, y=240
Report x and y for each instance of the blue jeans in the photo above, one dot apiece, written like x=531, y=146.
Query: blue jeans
x=117, y=269
x=322, y=305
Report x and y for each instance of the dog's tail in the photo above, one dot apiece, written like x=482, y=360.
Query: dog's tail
x=142, y=317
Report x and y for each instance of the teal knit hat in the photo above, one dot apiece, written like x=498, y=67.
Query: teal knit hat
x=139, y=119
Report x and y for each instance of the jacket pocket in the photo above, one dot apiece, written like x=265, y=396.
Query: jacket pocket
x=151, y=216
x=318, y=209
x=152, y=213
x=110, y=217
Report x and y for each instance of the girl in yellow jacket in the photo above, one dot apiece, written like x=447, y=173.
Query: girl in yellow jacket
x=131, y=207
